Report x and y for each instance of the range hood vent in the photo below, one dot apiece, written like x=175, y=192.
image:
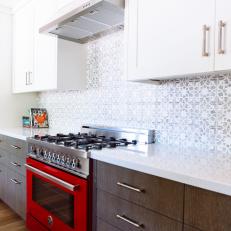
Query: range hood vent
x=88, y=21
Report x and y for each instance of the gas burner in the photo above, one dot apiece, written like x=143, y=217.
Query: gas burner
x=70, y=152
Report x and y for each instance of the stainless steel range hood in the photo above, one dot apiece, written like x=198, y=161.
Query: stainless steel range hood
x=88, y=21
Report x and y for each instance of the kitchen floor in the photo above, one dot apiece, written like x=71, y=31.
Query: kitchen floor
x=9, y=220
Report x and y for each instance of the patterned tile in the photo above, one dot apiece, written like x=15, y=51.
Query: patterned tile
x=187, y=112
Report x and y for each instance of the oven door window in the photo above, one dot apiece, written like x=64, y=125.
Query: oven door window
x=54, y=200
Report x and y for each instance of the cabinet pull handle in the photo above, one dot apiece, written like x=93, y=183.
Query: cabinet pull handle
x=15, y=164
x=26, y=78
x=15, y=181
x=221, y=49
x=30, y=81
x=15, y=147
x=129, y=221
x=130, y=187
x=206, y=29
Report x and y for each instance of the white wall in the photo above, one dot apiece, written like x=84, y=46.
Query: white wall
x=12, y=107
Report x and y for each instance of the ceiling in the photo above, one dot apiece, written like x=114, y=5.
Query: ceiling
x=9, y=3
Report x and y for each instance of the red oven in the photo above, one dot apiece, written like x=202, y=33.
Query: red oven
x=56, y=200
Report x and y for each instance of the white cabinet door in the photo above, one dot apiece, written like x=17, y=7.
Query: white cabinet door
x=223, y=35
x=23, y=45
x=166, y=38
x=45, y=49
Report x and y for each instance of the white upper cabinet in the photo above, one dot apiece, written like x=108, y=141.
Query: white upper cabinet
x=223, y=35
x=23, y=44
x=43, y=62
x=166, y=38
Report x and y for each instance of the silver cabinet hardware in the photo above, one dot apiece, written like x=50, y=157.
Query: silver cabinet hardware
x=15, y=164
x=56, y=180
x=49, y=220
x=15, y=147
x=26, y=78
x=221, y=48
x=123, y=218
x=30, y=78
x=15, y=181
x=130, y=187
x=205, y=51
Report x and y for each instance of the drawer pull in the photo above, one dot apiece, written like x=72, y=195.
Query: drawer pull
x=15, y=181
x=130, y=187
x=15, y=164
x=15, y=147
x=123, y=218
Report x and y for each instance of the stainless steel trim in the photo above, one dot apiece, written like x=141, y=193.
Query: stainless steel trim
x=15, y=147
x=15, y=181
x=26, y=78
x=82, y=175
x=221, y=49
x=129, y=221
x=76, y=10
x=15, y=164
x=30, y=79
x=56, y=180
x=130, y=187
x=205, y=52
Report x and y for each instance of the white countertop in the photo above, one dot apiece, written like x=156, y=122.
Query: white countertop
x=22, y=133
x=208, y=170
x=202, y=169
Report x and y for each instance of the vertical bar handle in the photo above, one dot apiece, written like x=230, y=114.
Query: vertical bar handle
x=221, y=49
x=205, y=52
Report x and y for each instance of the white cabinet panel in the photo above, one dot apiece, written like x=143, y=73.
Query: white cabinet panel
x=23, y=44
x=45, y=49
x=165, y=38
x=223, y=35
x=43, y=62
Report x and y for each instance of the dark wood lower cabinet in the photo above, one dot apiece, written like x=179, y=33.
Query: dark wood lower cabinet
x=12, y=173
x=127, y=216
x=206, y=210
x=160, y=195
x=103, y=226
x=188, y=228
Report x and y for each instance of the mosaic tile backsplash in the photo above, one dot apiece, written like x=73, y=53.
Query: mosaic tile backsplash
x=187, y=112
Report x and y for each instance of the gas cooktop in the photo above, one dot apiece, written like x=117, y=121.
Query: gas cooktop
x=70, y=152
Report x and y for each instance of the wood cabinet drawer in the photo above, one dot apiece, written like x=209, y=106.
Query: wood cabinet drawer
x=16, y=192
x=17, y=163
x=127, y=216
x=157, y=194
x=3, y=174
x=188, y=228
x=15, y=146
x=3, y=156
x=2, y=141
x=103, y=226
x=206, y=210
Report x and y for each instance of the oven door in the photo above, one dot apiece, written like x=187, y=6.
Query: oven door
x=56, y=199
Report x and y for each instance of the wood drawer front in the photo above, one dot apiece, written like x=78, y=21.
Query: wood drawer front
x=17, y=163
x=2, y=141
x=103, y=226
x=3, y=156
x=3, y=174
x=109, y=206
x=16, y=192
x=188, y=228
x=206, y=210
x=163, y=196
x=15, y=146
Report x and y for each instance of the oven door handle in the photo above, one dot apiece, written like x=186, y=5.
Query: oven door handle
x=54, y=179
